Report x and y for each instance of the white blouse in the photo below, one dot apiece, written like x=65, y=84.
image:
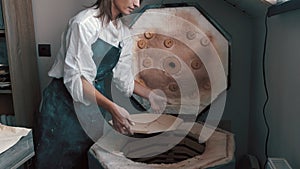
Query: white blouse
x=74, y=58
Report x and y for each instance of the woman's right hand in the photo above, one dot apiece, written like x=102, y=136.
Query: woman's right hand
x=121, y=121
x=120, y=116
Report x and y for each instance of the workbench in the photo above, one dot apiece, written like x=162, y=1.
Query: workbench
x=19, y=154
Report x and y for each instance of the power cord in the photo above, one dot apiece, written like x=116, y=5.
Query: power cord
x=266, y=91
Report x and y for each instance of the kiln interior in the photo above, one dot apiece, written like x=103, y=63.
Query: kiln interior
x=188, y=147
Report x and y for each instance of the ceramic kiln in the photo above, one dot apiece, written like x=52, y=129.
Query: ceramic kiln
x=182, y=53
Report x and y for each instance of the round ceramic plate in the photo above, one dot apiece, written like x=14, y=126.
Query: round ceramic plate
x=144, y=117
x=147, y=123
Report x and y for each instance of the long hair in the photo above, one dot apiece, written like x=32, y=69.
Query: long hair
x=104, y=7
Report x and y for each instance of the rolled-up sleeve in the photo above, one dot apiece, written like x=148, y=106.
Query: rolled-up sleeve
x=79, y=62
x=123, y=77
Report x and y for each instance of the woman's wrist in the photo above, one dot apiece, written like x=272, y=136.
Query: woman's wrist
x=112, y=108
x=141, y=90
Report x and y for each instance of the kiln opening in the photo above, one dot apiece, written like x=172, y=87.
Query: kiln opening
x=188, y=148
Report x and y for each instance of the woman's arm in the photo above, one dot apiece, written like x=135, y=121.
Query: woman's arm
x=141, y=90
x=120, y=116
x=156, y=98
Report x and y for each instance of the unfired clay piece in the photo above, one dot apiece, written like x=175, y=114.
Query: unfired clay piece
x=147, y=123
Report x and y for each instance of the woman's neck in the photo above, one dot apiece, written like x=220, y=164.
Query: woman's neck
x=114, y=11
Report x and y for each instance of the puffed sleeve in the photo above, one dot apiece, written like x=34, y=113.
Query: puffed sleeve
x=122, y=74
x=78, y=61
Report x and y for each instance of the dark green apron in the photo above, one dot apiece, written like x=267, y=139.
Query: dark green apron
x=59, y=140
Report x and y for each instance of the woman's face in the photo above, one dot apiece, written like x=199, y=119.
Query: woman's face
x=124, y=6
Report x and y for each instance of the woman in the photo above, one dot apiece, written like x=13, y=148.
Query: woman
x=95, y=51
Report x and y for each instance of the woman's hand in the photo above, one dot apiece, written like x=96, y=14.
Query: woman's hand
x=156, y=97
x=121, y=122
x=158, y=101
x=120, y=116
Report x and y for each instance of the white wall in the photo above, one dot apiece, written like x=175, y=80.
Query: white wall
x=50, y=19
x=283, y=79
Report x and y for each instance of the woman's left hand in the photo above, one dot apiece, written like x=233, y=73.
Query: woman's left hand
x=158, y=101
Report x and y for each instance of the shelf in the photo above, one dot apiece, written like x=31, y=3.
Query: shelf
x=283, y=7
x=2, y=31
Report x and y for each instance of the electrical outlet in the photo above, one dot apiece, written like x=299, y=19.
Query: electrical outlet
x=44, y=50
